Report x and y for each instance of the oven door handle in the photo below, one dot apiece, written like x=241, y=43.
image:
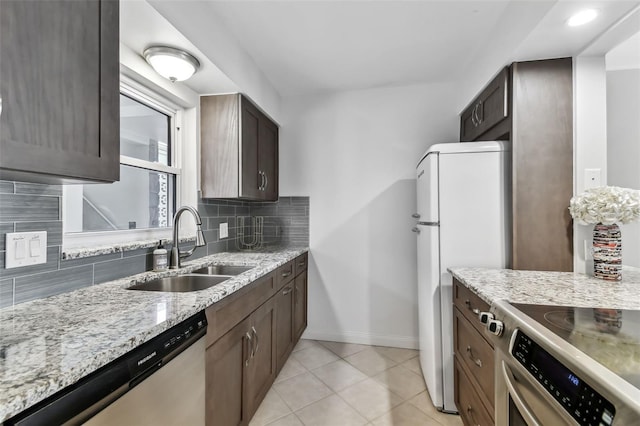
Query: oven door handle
x=516, y=397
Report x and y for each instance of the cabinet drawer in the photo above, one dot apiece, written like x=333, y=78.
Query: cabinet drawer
x=285, y=273
x=224, y=315
x=487, y=110
x=469, y=304
x=474, y=351
x=301, y=263
x=472, y=410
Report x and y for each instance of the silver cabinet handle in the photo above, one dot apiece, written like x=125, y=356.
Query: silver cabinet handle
x=476, y=361
x=0, y=105
x=255, y=334
x=415, y=229
x=285, y=274
x=480, y=113
x=473, y=116
x=250, y=348
x=261, y=186
x=266, y=181
x=473, y=418
x=474, y=310
x=287, y=291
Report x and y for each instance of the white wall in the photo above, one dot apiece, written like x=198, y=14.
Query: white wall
x=590, y=143
x=354, y=154
x=623, y=147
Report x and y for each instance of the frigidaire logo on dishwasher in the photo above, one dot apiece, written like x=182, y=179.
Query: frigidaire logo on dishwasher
x=146, y=358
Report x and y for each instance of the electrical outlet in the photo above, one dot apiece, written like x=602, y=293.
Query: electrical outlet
x=224, y=230
x=25, y=248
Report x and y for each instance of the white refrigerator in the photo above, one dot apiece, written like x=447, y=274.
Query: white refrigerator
x=463, y=219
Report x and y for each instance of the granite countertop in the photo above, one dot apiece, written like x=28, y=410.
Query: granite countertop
x=49, y=344
x=553, y=288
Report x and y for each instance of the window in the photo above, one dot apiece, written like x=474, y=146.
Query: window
x=145, y=198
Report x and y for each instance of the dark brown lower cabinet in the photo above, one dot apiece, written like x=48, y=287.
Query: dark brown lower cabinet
x=242, y=360
x=241, y=366
x=469, y=404
x=300, y=305
x=284, y=324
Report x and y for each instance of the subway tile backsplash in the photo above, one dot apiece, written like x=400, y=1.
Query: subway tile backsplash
x=37, y=207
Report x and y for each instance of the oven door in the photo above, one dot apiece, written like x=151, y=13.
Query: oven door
x=521, y=401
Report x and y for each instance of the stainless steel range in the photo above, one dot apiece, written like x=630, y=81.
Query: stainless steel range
x=562, y=365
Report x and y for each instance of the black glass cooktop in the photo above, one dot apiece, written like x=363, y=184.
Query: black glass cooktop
x=609, y=336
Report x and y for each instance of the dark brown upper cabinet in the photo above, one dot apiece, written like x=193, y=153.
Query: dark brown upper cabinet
x=239, y=149
x=59, y=83
x=487, y=111
x=539, y=124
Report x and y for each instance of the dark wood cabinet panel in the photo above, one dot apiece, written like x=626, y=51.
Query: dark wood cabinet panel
x=284, y=325
x=226, y=361
x=225, y=314
x=300, y=305
x=60, y=91
x=268, y=159
x=473, y=359
x=261, y=370
x=239, y=149
x=542, y=177
x=489, y=109
x=250, y=178
x=472, y=410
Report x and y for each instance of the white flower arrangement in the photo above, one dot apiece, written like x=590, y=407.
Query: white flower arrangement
x=606, y=205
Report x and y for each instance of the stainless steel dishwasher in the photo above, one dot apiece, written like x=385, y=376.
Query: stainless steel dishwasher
x=161, y=382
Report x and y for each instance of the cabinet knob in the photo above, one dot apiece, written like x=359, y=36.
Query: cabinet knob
x=476, y=361
x=474, y=310
x=416, y=215
x=473, y=418
x=495, y=327
x=485, y=317
x=415, y=229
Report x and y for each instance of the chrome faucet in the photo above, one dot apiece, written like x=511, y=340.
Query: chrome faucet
x=176, y=256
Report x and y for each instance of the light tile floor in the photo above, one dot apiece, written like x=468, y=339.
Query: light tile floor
x=343, y=384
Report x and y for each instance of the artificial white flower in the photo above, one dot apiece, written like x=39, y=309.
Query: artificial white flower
x=606, y=205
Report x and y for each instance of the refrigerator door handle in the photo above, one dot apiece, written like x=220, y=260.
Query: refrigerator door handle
x=429, y=223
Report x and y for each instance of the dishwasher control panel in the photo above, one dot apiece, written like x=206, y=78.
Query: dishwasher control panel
x=150, y=355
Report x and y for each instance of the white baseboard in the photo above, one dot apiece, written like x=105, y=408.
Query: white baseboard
x=408, y=342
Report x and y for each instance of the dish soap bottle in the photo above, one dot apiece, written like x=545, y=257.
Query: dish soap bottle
x=160, y=258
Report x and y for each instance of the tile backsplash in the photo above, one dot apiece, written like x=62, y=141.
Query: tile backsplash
x=37, y=207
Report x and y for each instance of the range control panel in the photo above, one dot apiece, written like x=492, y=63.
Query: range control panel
x=579, y=399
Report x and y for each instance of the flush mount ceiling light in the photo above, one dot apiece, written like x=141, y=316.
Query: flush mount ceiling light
x=582, y=17
x=171, y=63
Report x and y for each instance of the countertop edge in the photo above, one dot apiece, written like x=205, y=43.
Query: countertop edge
x=42, y=388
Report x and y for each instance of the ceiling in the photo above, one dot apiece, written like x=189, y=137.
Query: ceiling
x=305, y=47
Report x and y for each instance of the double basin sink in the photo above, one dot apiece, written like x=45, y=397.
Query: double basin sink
x=199, y=279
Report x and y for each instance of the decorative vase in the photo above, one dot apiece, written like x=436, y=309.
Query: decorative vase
x=607, y=252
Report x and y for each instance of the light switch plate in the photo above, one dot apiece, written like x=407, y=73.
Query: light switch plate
x=224, y=230
x=25, y=248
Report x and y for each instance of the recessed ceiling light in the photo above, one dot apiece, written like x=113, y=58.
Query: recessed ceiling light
x=582, y=17
x=171, y=63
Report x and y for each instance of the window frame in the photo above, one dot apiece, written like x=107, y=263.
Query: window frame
x=154, y=100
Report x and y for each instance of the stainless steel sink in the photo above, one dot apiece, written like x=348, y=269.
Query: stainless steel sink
x=181, y=283
x=222, y=270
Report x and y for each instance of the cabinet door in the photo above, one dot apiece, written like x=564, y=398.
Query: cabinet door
x=261, y=370
x=268, y=159
x=59, y=86
x=251, y=181
x=300, y=305
x=284, y=324
x=487, y=110
x=226, y=364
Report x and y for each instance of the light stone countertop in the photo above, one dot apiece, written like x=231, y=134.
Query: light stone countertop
x=553, y=288
x=49, y=344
